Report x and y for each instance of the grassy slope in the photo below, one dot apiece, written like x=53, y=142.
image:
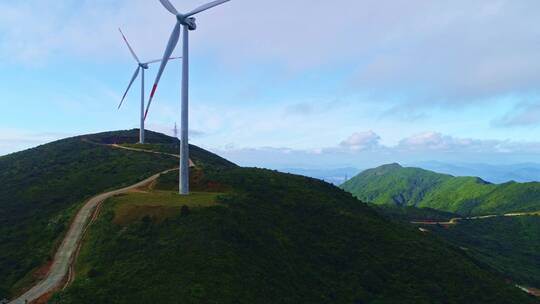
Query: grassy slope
x=393, y=184
x=42, y=188
x=158, y=205
x=407, y=214
x=277, y=238
x=510, y=245
x=512, y=197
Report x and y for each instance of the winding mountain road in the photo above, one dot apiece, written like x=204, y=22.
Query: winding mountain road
x=67, y=250
x=191, y=164
x=456, y=220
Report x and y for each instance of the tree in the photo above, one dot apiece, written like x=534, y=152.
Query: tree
x=184, y=211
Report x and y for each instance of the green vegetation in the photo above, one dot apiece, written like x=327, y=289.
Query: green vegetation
x=244, y=236
x=407, y=214
x=393, y=184
x=509, y=244
x=158, y=205
x=43, y=187
x=274, y=238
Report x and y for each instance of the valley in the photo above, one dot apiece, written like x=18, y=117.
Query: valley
x=484, y=220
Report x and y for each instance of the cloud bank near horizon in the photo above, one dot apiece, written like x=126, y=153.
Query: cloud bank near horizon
x=364, y=149
x=360, y=149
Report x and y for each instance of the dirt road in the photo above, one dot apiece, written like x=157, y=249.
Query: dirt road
x=456, y=220
x=66, y=252
x=191, y=164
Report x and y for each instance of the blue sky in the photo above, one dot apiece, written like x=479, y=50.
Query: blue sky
x=286, y=83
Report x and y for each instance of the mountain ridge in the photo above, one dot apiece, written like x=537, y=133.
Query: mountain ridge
x=498, y=174
x=410, y=186
x=43, y=187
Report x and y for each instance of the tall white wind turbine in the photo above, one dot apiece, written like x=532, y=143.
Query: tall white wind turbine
x=187, y=22
x=141, y=67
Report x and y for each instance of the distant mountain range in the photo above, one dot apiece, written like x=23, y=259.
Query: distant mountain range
x=497, y=174
x=335, y=176
x=394, y=184
x=526, y=172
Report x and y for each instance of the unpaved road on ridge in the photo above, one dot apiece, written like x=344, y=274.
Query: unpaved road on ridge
x=456, y=220
x=191, y=164
x=66, y=252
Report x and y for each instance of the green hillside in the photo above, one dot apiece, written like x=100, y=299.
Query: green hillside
x=270, y=238
x=160, y=143
x=393, y=184
x=42, y=188
x=511, y=245
x=244, y=236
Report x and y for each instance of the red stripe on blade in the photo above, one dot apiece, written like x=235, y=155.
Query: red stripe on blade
x=153, y=91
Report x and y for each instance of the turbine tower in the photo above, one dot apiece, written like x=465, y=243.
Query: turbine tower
x=141, y=67
x=187, y=23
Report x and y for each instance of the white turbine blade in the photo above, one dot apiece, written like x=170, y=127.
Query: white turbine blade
x=173, y=41
x=129, y=86
x=169, y=6
x=205, y=7
x=159, y=60
x=129, y=46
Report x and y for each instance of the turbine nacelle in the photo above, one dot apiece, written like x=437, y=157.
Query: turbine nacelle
x=189, y=21
x=143, y=66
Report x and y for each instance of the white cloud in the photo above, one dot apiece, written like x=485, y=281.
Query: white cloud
x=429, y=141
x=440, y=52
x=363, y=150
x=361, y=141
x=433, y=141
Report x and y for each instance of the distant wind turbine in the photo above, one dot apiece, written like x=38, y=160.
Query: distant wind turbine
x=140, y=67
x=187, y=21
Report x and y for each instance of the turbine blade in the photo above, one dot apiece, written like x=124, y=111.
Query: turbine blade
x=129, y=46
x=173, y=41
x=169, y=6
x=205, y=7
x=159, y=60
x=130, y=84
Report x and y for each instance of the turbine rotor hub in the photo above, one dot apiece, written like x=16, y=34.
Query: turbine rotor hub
x=189, y=22
x=144, y=66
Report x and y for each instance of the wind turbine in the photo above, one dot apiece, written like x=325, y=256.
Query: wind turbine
x=140, y=67
x=187, y=22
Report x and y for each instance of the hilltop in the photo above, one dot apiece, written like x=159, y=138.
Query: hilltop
x=246, y=235
x=44, y=186
x=394, y=184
